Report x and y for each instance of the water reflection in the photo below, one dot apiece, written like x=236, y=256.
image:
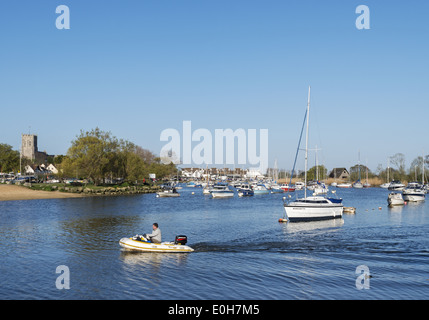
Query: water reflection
x=312, y=225
x=153, y=259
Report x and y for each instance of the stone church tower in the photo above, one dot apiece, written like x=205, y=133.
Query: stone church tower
x=29, y=146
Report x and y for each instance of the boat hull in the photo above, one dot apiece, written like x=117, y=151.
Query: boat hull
x=296, y=213
x=414, y=197
x=167, y=195
x=136, y=245
x=395, y=199
x=261, y=192
x=222, y=194
x=245, y=193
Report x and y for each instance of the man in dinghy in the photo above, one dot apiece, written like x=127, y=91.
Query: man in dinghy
x=155, y=236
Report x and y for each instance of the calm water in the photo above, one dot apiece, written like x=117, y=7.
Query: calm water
x=241, y=251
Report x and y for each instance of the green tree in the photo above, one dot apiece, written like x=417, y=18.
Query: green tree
x=94, y=154
x=317, y=172
x=97, y=155
x=9, y=159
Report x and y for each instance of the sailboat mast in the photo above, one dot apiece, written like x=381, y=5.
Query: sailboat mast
x=306, y=143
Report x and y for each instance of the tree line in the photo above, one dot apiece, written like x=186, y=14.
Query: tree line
x=396, y=170
x=99, y=157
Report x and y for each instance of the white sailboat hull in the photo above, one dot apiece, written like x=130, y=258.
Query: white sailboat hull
x=222, y=194
x=306, y=212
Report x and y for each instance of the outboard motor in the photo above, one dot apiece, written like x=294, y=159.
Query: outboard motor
x=181, y=240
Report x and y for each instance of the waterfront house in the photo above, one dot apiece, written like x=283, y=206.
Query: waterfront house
x=339, y=173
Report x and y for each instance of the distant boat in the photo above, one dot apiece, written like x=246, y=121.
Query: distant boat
x=395, y=199
x=245, y=190
x=192, y=184
x=168, y=192
x=220, y=191
x=287, y=188
x=414, y=192
x=344, y=185
x=396, y=185
x=275, y=188
x=358, y=185
x=260, y=189
x=320, y=188
x=299, y=185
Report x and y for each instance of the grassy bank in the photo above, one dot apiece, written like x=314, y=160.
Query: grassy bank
x=94, y=190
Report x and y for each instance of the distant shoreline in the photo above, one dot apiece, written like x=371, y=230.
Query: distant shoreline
x=10, y=192
x=13, y=193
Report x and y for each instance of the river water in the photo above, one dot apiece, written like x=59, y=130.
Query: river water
x=241, y=251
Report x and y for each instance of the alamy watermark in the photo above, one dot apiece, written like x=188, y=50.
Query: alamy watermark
x=362, y=281
x=228, y=147
x=63, y=280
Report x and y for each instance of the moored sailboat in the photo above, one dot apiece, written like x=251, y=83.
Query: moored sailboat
x=314, y=207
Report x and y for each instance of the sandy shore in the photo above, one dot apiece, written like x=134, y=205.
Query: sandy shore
x=12, y=192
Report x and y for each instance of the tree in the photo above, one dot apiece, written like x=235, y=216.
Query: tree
x=354, y=172
x=9, y=159
x=97, y=155
x=94, y=154
x=317, y=173
x=398, y=161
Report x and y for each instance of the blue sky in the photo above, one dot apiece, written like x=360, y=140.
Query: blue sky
x=136, y=68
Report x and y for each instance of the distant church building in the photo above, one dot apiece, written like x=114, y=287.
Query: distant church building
x=29, y=148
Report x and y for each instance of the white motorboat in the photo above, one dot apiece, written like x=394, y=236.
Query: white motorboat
x=220, y=191
x=207, y=190
x=140, y=243
x=299, y=185
x=344, y=185
x=315, y=207
x=167, y=192
x=320, y=188
x=396, y=185
x=395, y=199
x=414, y=192
x=275, y=188
x=245, y=190
x=260, y=189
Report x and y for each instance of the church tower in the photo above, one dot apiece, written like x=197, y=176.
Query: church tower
x=29, y=146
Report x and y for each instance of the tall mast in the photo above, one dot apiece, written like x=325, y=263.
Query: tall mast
x=306, y=142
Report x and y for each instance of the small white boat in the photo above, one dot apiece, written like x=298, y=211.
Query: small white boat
x=299, y=185
x=260, y=189
x=396, y=186
x=344, y=185
x=208, y=189
x=358, y=185
x=350, y=210
x=385, y=185
x=220, y=191
x=414, y=192
x=275, y=188
x=245, y=190
x=168, y=192
x=395, y=199
x=320, y=189
x=139, y=243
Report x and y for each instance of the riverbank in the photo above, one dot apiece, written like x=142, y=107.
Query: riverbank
x=39, y=191
x=11, y=192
